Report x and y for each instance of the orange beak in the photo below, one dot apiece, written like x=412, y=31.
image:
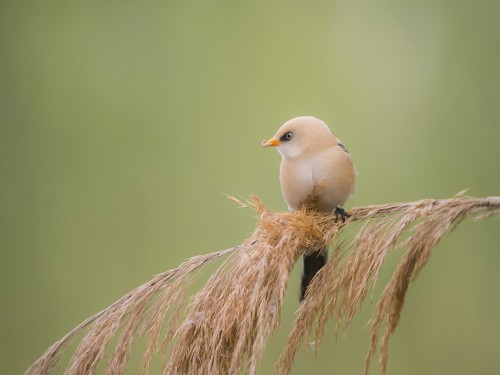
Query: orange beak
x=273, y=142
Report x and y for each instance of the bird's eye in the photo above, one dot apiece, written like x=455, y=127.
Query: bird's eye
x=287, y=136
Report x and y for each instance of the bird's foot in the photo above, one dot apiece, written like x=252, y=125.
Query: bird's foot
x=339, y=211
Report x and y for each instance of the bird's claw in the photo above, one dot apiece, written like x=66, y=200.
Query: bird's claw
x=339, y=211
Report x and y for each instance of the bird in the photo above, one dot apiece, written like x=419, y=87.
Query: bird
x=316, y=172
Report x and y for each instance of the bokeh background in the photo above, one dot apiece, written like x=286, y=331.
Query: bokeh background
x=122, y=123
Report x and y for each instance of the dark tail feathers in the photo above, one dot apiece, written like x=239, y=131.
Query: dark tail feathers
x=313, y=262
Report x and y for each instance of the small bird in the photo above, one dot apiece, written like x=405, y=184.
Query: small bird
x=317, y=172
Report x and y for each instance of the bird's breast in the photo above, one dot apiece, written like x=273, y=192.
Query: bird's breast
x=296, y=181
x=325, y=180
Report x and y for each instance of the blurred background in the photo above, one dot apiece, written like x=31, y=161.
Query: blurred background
x=123, y=123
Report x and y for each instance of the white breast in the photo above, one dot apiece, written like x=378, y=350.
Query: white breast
x=327, y=173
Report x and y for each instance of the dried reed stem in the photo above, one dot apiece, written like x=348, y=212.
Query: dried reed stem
x=224, y=327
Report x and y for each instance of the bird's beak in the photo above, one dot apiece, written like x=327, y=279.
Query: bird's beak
x=273, y=142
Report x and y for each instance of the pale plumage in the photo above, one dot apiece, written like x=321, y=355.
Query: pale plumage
x=316, y=170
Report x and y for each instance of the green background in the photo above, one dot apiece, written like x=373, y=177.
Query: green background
x=122, y=123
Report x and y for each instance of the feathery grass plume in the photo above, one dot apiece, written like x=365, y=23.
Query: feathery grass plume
x=225, y=326
x=339, y=290
x=109, y=321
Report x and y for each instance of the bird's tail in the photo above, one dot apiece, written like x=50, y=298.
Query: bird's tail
x=313, y=262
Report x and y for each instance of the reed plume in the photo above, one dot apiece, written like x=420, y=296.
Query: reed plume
x=223, y=328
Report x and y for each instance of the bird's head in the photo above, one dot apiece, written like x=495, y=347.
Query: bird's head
x=301, y=136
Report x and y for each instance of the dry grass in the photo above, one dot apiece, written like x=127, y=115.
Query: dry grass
x=224, y=327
